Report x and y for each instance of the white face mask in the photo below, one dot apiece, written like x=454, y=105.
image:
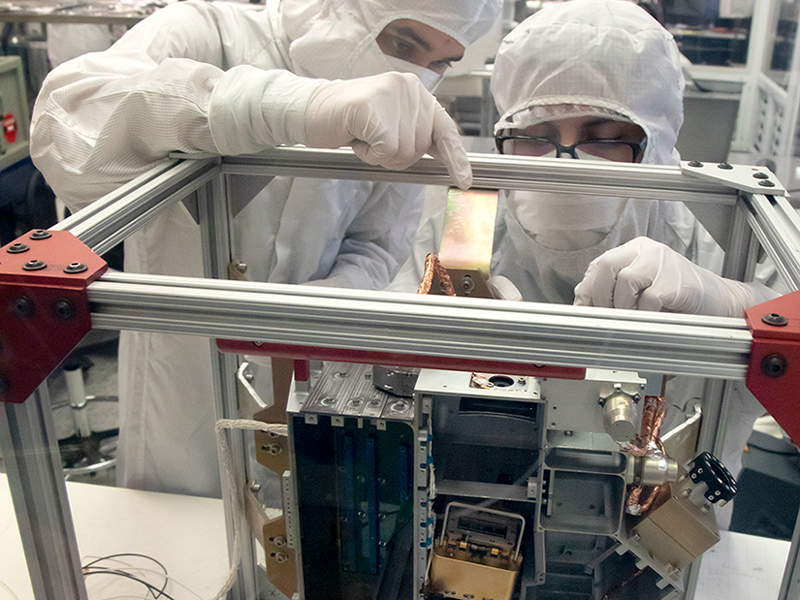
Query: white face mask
x=565, y=221
x=430, y=79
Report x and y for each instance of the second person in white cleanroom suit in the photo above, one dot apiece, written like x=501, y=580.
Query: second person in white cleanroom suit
x=231, y=79
x=600, y=71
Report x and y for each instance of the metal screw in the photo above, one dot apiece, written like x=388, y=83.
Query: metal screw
x=467, y=284
x=328, y=401
x=241, y=267
x=17, y=248
x=281, y=557
x=775, y=319
x=774, y=366
x=766, y=183
x=725, y=166
x=569, y=433
x=760, y=175
x=41, y=234
x=258, y=344
x=64, y=310
x=695, y=163
x=273, y=449
x=255, y=487
x=279, y=541
x=75, y=267
x=249, y=376
x=34, y=265
x=24, y=306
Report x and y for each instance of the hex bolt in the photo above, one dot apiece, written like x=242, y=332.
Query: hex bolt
x=24, y=306
x=725, y=166
x=17, y=248
x=34, y=265
x=64, y=310
x=766, y=183
x=774, y=366
x=760, y=175
x=775, y=319
x=695, y=163
x=75, y=267
x=40, y=234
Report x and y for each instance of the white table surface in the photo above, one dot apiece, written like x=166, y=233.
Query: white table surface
x=187, y=534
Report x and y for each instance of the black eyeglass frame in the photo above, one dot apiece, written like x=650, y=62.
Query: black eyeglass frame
x=636, y=147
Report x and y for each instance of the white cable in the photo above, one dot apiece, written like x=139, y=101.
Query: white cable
x=9, y=590
x=230, y=488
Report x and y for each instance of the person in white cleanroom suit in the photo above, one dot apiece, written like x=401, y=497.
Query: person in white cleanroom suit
x=230, y=79
x=583, y=71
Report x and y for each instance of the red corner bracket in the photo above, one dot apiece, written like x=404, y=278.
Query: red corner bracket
x=44, y=306
x=774, y=371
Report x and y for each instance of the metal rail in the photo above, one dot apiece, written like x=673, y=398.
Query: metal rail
x=114, y=217
x=468, y=329
x=489, y=170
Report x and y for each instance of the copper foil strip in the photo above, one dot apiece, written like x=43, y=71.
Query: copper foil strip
x=433, y=266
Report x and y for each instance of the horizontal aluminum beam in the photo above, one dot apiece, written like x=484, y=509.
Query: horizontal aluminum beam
x=468, y=329
x=493, y=171
x=112, y=218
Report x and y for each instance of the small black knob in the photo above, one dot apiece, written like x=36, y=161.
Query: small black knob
x=708, y=469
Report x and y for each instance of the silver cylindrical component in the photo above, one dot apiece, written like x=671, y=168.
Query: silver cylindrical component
x=77, y=400
x=658, y=470
x=619, y=417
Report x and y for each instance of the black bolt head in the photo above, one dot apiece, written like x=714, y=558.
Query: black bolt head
x=774, y=366
x=725, y=166
x=64, y=310
x=41, y=234
x=766, y=183
x=695, y=163
x=34, y=265
x=775, y=319
x=17, y=248
x=760, y=175
x=75, y=267
x=24, y=306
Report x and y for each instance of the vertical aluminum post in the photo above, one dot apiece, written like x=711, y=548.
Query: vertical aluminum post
x=30, y=452
x=790, y=587
x=212, y=202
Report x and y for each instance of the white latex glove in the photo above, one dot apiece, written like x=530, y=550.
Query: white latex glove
x=389, y=120
x=647, y=275
x=503, y=289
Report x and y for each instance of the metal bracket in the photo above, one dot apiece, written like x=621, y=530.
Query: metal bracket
x=773, y=375
x=44, y=306
x=754, y=180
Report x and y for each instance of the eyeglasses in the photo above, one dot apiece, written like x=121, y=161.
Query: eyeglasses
x=589, y=150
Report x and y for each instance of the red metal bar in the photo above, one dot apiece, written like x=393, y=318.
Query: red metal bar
x=774, y=371
x=44, y=306
x=397, y=359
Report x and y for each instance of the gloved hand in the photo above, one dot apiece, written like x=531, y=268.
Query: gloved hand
x=647, y=275
x=503, y=289
x=389, y=120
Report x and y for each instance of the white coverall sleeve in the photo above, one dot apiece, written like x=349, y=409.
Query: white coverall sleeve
x=377, y=240
x=105, y=118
